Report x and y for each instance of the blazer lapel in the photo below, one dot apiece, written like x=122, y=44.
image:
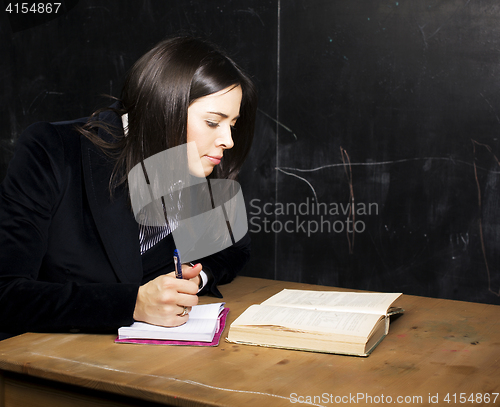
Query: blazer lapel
x=113, y=216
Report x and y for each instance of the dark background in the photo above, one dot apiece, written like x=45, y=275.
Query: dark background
x=393, y=106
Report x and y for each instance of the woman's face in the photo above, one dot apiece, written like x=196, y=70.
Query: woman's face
x=210, y=119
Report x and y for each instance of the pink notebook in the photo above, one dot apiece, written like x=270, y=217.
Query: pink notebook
x=215, y=341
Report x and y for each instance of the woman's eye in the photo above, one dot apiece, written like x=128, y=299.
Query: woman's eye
x=212, y=124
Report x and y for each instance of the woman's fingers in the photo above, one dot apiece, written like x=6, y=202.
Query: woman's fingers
x=161, y=301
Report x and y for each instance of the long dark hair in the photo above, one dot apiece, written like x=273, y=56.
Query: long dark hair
x=156, y=95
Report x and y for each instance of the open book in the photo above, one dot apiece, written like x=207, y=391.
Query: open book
x=319, y=321
x=202, y=325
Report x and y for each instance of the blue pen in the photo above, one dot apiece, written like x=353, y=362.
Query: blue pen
x=178, y=264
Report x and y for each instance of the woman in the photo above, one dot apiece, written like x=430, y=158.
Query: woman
x=73, y=258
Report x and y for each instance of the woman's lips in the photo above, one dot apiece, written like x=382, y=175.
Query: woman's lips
x=213, y=159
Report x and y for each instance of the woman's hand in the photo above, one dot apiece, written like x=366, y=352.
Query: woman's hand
x=187, y=272
x=162, y=300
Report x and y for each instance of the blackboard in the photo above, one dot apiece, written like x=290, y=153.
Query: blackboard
x=390, y=108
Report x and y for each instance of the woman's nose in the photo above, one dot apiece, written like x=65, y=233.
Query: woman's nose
x=225, y=139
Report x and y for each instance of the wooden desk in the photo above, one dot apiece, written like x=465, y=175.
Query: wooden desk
x=437, y=347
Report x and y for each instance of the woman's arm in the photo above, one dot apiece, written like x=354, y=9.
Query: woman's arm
x=29, y=197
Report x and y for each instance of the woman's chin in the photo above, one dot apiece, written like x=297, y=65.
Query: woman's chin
x=200, y=172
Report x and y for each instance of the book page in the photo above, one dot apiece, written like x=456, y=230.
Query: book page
x=376, y=303
x=354, y=324
x=191, y=326
x=206, y=311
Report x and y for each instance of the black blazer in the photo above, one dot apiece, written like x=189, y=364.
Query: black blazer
x=69, y=254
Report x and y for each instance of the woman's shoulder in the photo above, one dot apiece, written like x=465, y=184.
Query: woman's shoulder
x=52, y=135
x=49, y=145
x=50, y=130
